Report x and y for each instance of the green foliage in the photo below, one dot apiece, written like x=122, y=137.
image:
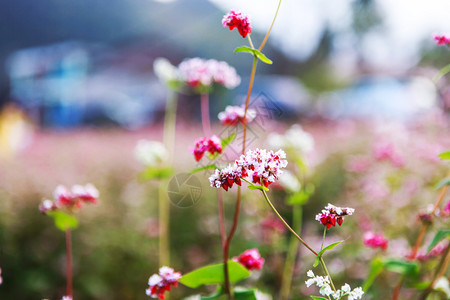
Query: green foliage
x=257, y=187
x=376, y=267
x=301, y=197
x=442, y=72
x=444, y=182
x=228, y=140
x=245, y=295
x=445, y=155
x=440, y=235
x=213, y=274
x=63, y=221
x=208, y=167
x=321, y=252
x=318, y=298
x=155, y=173
x=401, y=267
x=255, y=52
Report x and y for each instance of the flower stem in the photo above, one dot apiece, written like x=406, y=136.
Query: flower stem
x=69, y=291
x=286, y=224
x=205, y=114
x=288, y=270
x=250, y=41
x=270, y=29
x=324, y=266
x=324, y=234
x=221, y=217
x=247, y=101
x=440, y=271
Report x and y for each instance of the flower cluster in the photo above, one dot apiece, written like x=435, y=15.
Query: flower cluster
x=150, y=153
x=236, y=19
x=233, y=115
x=70, y=199
x=437, y=251
x=373, y=240
x=264, y=167
x=442, y=40
x=202, y=145
x=197, y=73
x=66, y=298
x=162, y=282
x=228, y=176
x=251, y=259
x=331, y=215
x=386, y=151
x=325, y=289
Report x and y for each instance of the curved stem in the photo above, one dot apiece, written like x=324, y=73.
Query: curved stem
x=247, y=101
x=288, y=270
x=69, y=291
x=205, y=114
x=250, y=41
x=270, y=29
x=286, y=224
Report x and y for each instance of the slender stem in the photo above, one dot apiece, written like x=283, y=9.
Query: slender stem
x=221, y=217
x=398, y=287
x=69, y=291
x=440, y=271
x=288, y=270
x=247, y=101
x=250, y=41
x=286, y=224
x=205, y=114
x=324, y=234
x=326, y=272
x=164, y=207
x=270, y=29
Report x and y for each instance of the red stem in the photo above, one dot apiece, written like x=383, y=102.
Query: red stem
x=221, y=217
x=69, y=262
x=205, y=114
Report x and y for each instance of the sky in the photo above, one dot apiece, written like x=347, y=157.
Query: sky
x=407, y=25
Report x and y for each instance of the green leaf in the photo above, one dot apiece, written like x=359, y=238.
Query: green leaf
x=257, y=187
x=321, y=252
x=401, y=267
x=445, y=155
x=219, y=294
x=442, y=72
x=302, y=196
x=245, y=295
x=440, y=235
x=376, y=267
x=63, y=221
x=155, y=173
x=444, y=182
x=213, y=274
x=318, y=298
x=228, y=140
x=255, y=52
x=208, y=167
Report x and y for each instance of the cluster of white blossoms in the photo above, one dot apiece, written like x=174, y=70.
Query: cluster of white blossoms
x=294, y=138
x=233, y=115
x=325, y=288
x=150, y=153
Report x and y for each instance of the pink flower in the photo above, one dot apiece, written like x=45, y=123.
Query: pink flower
x=203, y=145
x=442, y=40
x=331, y=215
x=437, y=251
x=162, y=282
x=264, y=167
x=226, y=177
x=251, y=259
x=236, y=19
x=70, y=199
x=373, y=240
x=386, y=151
x=1, y=279
x=233, y=115
x=358, y=164
x=198, y=73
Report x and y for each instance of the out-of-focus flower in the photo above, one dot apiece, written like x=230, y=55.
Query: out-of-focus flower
x=446, y=210
x=386, y=151
x=1, y=279
x=437, y=251
x=251, y=259
x=264, y=167
x=198, y=73
x=70, y=199
x=290, y=182
x=325, y=289
x=233, y=115
x=236, y=19
x=331, y=215
x=164, y=70
x=442, y=40
x=150, y=153
x=162, y=282
x=202, y=145
x=358, y=164
x=373, y=240
x=294, y=138
x=443, y=286
x=66, y=298
x=426, y=218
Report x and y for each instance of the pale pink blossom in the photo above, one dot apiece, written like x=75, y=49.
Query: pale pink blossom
x=234, y=115
x=373, y=240
x=162, y=282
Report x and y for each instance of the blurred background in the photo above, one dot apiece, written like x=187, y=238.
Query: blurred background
x=77, y=91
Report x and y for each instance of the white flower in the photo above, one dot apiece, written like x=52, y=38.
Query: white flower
x=326, y=290
x=295, y=138
x=443, y=286
x=290, y=182
x=357, y=293
x=154, y=280
x=346, y=288
x=164, y=70
x=150, y=153
x=66, y=298
x=310, y=273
